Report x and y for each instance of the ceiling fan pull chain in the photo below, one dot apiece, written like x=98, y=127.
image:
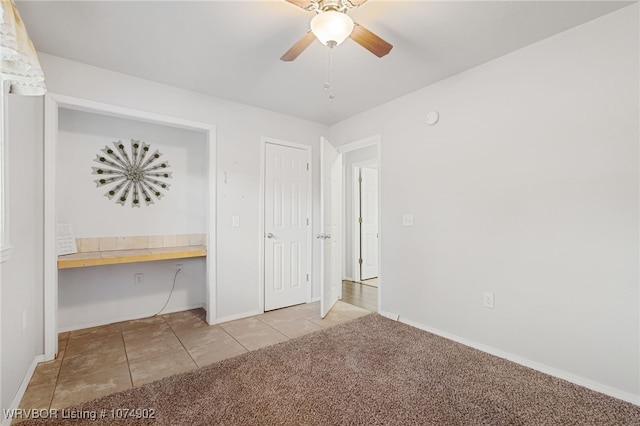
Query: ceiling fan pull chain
x=329, y=84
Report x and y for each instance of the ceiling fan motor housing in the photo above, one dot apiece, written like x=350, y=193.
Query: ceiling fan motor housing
x=325, y=5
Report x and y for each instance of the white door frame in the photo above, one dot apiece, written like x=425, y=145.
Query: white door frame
x=362, y=143
x=53, y=102
x=261, y=251
x=355, y=234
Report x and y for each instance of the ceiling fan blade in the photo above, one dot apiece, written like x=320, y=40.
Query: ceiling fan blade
x=305, y=4
x=299, y=47
x=370, y=41
x=357, y=3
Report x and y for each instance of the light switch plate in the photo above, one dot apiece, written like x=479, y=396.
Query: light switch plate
x=235, y=221
x=407, y=220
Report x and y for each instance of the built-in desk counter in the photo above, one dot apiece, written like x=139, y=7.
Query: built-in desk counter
x=114, y=257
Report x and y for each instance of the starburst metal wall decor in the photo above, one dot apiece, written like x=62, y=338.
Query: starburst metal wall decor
x=137, y=174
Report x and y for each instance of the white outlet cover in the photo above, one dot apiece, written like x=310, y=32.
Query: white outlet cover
x=407, y=219
x=487, y=300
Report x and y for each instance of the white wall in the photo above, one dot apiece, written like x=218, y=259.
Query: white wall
x=21, y=279
x=239, y=129
x=106, y=294
x=369, y=153
x=527, y=187
x=79, y=202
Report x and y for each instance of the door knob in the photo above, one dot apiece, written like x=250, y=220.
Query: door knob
x=319, y=236
x=269, y=235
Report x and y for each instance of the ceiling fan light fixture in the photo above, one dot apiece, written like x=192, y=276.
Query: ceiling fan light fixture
x=332, y=27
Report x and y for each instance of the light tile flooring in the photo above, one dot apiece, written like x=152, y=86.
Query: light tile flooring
x=98, y=361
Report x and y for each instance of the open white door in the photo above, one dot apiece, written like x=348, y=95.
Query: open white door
x=331, y=219
x=368, y=223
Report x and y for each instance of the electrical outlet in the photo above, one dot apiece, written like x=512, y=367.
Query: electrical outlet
x=487, y=300
x=138, y=278
x=179, y=267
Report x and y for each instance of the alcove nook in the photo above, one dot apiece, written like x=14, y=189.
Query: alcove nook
x=128, y=255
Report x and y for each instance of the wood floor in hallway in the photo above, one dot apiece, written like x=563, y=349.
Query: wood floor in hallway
x=362, y=295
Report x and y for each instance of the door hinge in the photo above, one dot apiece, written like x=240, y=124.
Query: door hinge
x=360, y=261
x=307, y=277
x=307, y=166
x=359, y=220
x=360, y=179
x=307, y=221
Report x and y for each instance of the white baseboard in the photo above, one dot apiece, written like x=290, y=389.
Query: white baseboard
x=73, y=327
x=394, y=317
x=237, y=316
x=22, y=389
x=578, y=380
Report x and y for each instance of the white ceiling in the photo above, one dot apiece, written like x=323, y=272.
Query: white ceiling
x=231, y=49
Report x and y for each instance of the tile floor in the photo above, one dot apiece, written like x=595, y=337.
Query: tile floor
x=98, y=361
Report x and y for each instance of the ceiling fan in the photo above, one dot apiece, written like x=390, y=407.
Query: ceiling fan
x=332, y=26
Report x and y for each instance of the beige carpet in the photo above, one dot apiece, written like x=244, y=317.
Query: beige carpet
x=369, y=371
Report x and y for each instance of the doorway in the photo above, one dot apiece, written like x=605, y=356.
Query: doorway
x=361, y=269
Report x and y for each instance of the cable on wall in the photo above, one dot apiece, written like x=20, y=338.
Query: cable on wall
x=170, y=293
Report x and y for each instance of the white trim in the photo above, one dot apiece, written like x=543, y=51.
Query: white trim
x=85, y=105
x=261, y=214
x=239, y=316
x=578, y=380
x=356, y=238
x=50, y=261
x=53, y=102
x=391, y=316
x=360, y=143
x=212, y=241
x=22, y=389
x=5, y=244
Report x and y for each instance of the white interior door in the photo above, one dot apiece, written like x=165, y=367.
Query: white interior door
x=287, y=217
x=369, y=223
x=331, y=219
